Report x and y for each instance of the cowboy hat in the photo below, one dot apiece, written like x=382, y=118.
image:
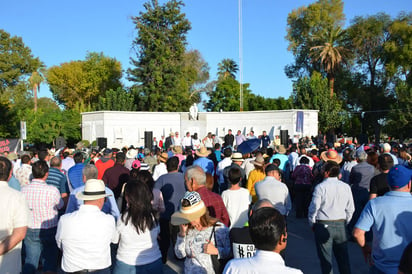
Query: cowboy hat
x=177, y=150
x=94, y=189
x=131, y=154
x=259, y=161
x=202, y=152
x=163, y=157
x=237, y=157
x=281, y=149
x=331, y=155
x=193, y=211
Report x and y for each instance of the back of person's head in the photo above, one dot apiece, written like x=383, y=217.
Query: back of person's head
x=139, y=211
x=276, y=162
x=271, y=167
x=5, y=168
x=385, y=161
x=145, y=177
x=217, y=146
x=361, y=155
x=120, y=157
x=293, y=148
x=234, y=175
x=314, y=152
x=90, y=172
x=405, y=264
x=78, y=157
x=42, y=154
x=40, y=169
x=304, y=160
x=25, y=159
x=372, y=158
x=196, y=173
x=259, y=204
x=333, y=168
x=266, y=226
x=227, y=152
x=172, y=163
x=55, y=162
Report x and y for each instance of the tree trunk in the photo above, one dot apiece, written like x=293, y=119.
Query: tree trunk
x=35, y=97
x=331, y=85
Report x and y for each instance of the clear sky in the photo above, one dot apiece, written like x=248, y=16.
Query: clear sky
x=62, y=31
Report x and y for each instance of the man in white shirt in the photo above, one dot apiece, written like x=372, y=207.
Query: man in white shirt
x=85, y=235
x=267, y=229
x=274, y=190
x=187, y=141
x=14, y=217
x=331, y=209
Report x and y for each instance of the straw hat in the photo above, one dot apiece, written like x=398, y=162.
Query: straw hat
x=187, y=214
x=202, y=152
x=281, y=149
x=177, y=150
x=237, y=157
x=163, y=157
x=331, y=155
x=93, y=190
x=259, y=161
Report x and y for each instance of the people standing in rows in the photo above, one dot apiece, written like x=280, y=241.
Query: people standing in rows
x=187, y=141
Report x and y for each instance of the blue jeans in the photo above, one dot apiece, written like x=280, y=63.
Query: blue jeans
x=154, y=267
x=332, y=237
x=40, y=243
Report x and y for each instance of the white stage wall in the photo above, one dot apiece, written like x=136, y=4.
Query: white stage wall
x=123, y=128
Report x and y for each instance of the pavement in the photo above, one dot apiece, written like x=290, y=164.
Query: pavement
x=300, y=252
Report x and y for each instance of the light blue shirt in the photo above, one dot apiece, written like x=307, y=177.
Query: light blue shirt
x=109, y=207
x=332, y=200
x=206, y=164
x=390, y=217
x=283, y=160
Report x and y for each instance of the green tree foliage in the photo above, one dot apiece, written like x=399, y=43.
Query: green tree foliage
x=305, y=26
x=227, y=68
x=118, y=99
x=16, y=60
x=160, y=48
x=36, y=78
x=399, y=123
x=313, y=93
x=196, y=72
x=84, y=81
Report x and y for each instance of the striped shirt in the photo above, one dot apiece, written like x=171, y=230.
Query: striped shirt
x=44, y=202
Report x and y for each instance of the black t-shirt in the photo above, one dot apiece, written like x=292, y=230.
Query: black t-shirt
x=379, y=184
x=241, y=242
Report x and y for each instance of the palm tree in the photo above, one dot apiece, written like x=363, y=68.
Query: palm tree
x=37, y=77
x=227, y=68
x=331, y=53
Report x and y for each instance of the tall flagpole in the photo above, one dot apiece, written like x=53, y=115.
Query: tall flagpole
x=240, y=54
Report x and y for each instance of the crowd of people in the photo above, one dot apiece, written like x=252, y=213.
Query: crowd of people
x=218, y=208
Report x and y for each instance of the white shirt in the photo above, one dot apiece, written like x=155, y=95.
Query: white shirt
x=187, y=141
x=346, y=169
x=67, y=163
x=159, y=170
x=292, y=157
x=248, y=166
x=276, y=192
x=237, y=205
x=134, y=248
x=14, y=213
x=262, y=262
x=221, y=166
x=332, y=200
x=178, y=141
x=84, y=237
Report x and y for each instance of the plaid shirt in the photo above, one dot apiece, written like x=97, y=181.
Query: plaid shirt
x=44, y=202
x=215, y=205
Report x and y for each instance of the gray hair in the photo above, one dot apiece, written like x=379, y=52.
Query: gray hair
x=55, y=161
x=262, y=203
x=361, y=155
x=196, y=173
x=90, y=172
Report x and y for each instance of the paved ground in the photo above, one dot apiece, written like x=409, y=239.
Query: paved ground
x=300, y=252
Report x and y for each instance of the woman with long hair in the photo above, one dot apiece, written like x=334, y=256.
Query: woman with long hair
x=203, y=240
x=137, y=231
x=145, y=177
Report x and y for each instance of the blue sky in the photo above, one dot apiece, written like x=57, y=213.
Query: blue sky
x=62, y=31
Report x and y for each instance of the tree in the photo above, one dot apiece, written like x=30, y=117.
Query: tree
x=313, y=93
x=160, y=48
x=16, y=60
x=304, y=25
x=331, y=53
x=227, y=68
x=37, y=77
x=225, y=96
x=196, y=71
x=84, y=81
x=119, y=100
